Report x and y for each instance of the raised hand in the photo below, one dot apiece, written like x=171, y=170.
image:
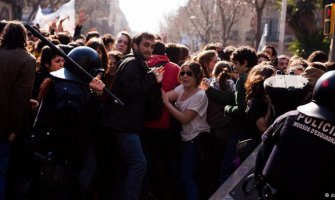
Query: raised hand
x=205, y=84
x=97, y=85
x=158, y=73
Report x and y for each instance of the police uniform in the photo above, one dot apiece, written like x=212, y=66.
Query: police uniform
x=61, y=131
x=301, y=164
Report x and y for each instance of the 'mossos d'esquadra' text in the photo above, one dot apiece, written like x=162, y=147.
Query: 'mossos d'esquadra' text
x=320, y=128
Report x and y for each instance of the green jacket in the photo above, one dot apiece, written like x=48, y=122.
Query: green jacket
x=237, y=110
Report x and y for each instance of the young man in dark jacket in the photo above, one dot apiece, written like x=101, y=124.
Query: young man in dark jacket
x=244, y=58
x=133, y=84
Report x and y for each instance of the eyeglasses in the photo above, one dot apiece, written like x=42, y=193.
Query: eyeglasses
x=59, y=60
x=188, y=73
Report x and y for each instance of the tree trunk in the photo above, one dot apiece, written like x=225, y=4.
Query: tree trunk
x=258, y=33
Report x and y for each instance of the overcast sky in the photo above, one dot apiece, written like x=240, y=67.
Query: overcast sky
x=145, y=15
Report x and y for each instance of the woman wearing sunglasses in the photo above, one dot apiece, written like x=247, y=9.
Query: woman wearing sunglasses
x=190, y=110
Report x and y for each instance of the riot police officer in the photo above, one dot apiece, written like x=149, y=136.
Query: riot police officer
x=60, y=130
x=301, y=162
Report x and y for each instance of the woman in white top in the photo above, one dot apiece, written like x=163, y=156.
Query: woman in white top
x=190, y=110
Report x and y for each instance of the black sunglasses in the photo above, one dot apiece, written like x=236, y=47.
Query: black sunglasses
x=188, y=73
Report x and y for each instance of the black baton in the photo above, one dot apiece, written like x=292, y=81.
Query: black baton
x=84, y=74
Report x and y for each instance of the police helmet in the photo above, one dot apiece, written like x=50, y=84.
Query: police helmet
x=323, y=100
x=292, y=87
x=87, y=58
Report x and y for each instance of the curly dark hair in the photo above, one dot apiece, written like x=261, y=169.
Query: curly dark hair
x=245, y=53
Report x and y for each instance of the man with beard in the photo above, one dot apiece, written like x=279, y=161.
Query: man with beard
x=133, y=84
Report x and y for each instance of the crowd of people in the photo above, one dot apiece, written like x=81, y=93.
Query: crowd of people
x=62, y=137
